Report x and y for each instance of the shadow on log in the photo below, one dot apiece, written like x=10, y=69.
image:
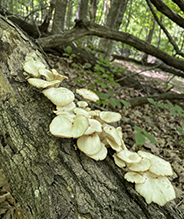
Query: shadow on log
x=50, y=178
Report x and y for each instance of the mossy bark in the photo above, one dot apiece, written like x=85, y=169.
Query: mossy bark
x=48, y=176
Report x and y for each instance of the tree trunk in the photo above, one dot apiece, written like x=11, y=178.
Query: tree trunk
x=82, y=10
x=59, y=16
x=48, y=176
x=114, y=20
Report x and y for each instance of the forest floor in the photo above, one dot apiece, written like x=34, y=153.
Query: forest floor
x=161, y=123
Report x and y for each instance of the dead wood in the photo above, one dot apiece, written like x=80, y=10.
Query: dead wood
x=166, y=96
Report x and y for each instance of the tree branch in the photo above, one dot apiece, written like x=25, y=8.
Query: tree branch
x=180, y=3
x=171, y=40
x=168, y=12
x=101, y=31
x=144, y=100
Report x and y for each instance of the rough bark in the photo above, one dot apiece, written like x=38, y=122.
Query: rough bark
x=87, y=28
x=48, y=176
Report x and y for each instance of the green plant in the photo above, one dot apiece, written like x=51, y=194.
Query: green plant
x=174, y=110
x=141, y=135
x=69, y=53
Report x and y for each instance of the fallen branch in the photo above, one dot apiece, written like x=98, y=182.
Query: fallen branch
x=144, y=100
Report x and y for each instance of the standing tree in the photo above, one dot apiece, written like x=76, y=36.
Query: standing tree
x=48, y=176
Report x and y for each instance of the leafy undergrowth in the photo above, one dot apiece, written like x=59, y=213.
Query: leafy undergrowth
x=165, y=124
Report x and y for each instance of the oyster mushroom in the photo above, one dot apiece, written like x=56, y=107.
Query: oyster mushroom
x=87, y=95
x=59, y=96
x=66, y=127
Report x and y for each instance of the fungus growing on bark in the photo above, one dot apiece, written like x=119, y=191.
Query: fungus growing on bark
x=120, y=163
x=142, y=166
x=51, y=75
x=89, y=144
x=32, y=67
x=94, y=126
x=66, y=127
x=39, y=83
x=87, y=94
x=68, y=109
x=158, y=166
x=59, y=96
x=144, y=169
x=128, y=156
x=101, y=155
x=156, y=189
x=110, y=116
x=82, y=104
x=134, y=177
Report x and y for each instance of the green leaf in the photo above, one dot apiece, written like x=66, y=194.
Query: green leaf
x=150, y=114
x=113, y=102
x=139, y=139
x=87, y=65
x=68, y=49
x=110, y=91
x=173, y=111
x=92, y=86
x=161, y=105
x=179, y=110
x=180, y=130
x=150, y=137
x=103, y=85
x=151, y=100
x=137, y=129
x=170, y=104
x=75, y=65
x=125, y=103
x=103, y=96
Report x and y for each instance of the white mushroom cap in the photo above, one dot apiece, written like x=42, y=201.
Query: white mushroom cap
x=46, y=73
x=32, y=67
x=59, y=96
x=94, y=126
x=68, y=109
x=120, y=163
x=64, y=126
x=89, y=144
x=80, y=111
x=134, y=177
x=158, y=165
x=39, y=83
x=101, y=155
x=57, y=76
x=110, y=116
x=113, y=144
x=129, y=156
x=156, y=189
x=82, y=104
x=113, y=137
x=87, y=94
x=142, y=166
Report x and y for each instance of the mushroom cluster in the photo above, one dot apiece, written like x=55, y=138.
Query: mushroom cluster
x=75, y=119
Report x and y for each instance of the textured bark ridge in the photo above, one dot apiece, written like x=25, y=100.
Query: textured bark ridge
x=50, y=178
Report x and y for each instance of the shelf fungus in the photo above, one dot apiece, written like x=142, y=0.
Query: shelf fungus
x=75, y=119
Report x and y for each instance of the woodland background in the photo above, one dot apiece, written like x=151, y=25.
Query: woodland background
x=131, y=53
